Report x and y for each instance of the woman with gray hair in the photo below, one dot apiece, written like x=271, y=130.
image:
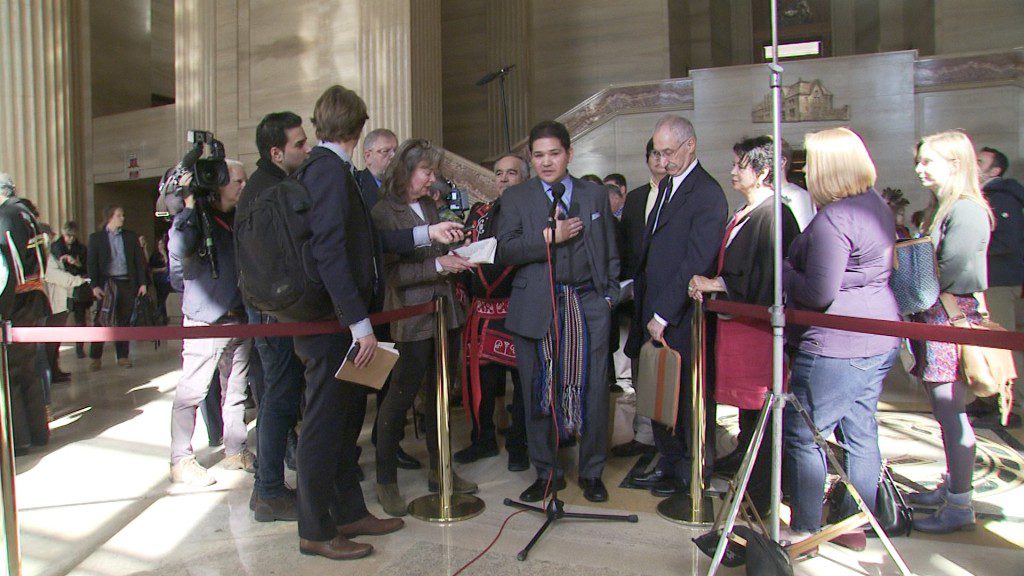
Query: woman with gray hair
x=413, y=279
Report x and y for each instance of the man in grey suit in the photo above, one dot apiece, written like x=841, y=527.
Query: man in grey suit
x=586, y=275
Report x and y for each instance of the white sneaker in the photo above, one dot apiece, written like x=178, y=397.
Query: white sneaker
x=189, y=471
x=244, y=460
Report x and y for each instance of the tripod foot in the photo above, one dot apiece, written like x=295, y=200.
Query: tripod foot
x=521, y=556
x=633, y=518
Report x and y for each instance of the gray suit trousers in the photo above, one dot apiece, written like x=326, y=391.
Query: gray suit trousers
x=593, y=445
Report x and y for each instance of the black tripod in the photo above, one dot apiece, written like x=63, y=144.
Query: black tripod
x=555, y=508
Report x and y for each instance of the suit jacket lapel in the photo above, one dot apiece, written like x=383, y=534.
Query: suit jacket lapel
x=679, y=197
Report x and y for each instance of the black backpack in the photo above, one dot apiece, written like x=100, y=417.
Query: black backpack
x=276, y=273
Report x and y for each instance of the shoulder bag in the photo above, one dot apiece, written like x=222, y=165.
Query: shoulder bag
x=987, y=371
x=914, y=279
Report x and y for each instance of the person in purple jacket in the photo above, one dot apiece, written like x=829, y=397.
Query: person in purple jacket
x=839, y=265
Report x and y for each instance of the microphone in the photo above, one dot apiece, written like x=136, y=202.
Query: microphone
x=557, y=190
x=491, y=76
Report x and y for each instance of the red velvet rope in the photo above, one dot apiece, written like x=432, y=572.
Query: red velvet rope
x=911, y=330
x=26, y=334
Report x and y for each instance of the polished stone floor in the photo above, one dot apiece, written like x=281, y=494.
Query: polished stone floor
x=97, y=502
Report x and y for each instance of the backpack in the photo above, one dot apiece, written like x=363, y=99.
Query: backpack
x=276, y=272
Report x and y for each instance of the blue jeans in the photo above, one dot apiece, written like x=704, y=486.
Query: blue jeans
x=278, y=407
x=841, y=396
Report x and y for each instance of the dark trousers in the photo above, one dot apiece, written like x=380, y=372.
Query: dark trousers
x=759, y=487
x=278, y=407
x=676, y=446
x=123, y=312
x=492, y=383
x=328, y=483
x=416, y=359
x=78, y=312
x=24, y=386
x=593, y=445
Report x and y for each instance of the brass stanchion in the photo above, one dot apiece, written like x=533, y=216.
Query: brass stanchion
x=11, y=537
x=694, y=509
x=444, y=506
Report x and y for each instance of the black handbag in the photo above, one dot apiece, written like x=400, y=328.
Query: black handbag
x=915, y=275
x=762, y=555
x=892, y=512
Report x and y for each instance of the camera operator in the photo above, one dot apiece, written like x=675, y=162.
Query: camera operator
x=209, y=298
x=116, y=273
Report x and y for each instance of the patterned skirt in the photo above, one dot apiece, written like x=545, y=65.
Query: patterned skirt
x=939, y=361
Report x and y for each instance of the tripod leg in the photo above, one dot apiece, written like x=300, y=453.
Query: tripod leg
x=526, y=551
x=746, y=468
x=838, y=469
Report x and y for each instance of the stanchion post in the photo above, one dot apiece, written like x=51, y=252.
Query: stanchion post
x=11, y=536
x=695, y=508
x=444, y=506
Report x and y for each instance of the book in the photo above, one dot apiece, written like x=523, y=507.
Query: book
x=481, y=252
x=376, y=373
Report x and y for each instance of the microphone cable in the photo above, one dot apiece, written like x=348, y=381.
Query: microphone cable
x=551, y=400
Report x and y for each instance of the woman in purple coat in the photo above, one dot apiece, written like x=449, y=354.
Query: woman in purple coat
x=839, y=265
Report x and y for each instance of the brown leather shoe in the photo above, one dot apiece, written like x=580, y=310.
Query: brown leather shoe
x=370, y=525
x=338, y=548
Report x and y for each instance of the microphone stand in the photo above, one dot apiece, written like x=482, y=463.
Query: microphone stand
x=555, y=508
x=500, y=76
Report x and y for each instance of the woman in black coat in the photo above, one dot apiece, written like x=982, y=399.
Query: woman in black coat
x=742, y=347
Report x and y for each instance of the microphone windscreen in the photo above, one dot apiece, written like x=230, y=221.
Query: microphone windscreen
x=557, y=190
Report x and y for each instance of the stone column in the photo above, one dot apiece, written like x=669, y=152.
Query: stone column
x=384, y=64
x=36, y=125
x=195, y=66
x=508, y=43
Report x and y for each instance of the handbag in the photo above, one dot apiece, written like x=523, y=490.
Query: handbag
x=914, y=279
x=987, y=371
x=762, y=555
x=743, y=362
x=892, y=512
x=657, y=383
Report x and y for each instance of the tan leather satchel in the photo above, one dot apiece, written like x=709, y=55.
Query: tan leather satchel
x=657, y=383
x=987, y=371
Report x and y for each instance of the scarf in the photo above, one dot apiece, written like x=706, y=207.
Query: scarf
x=567, y=398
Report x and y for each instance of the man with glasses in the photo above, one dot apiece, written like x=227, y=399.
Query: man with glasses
x=378, y=149
x=681, y=240
x=639, y=204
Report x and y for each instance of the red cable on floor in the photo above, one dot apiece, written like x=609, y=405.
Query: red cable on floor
x=489, y=546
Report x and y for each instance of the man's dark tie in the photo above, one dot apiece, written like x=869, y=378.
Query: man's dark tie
x=563, y=211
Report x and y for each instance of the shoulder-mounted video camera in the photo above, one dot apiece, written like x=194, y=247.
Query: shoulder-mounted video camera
x=208, y=174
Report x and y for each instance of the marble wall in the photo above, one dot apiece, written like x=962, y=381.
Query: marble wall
x=894, y=99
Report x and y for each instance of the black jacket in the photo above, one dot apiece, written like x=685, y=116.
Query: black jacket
x=60, y=248
x=1006, y=246
x=368, y=188
x=16, y=219
x=748, y=264
x=685, y=244
x=266, y=175
x=99, y=258
x=632, y=224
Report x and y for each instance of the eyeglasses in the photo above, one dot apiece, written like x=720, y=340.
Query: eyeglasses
x=386, y=152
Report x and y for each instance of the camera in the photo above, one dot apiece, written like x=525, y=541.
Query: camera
x=458, y=201
x=207, y=174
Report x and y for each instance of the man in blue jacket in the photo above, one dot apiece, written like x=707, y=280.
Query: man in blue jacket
x=209, y=300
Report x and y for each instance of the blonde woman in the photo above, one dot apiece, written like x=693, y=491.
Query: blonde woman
x=839, y=265
x=959, y=223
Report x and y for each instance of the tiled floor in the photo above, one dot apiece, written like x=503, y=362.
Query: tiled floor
x=97, y=502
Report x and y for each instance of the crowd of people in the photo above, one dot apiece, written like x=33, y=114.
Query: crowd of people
x=584, y=275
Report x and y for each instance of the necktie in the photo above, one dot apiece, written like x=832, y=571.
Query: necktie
x=661, y=207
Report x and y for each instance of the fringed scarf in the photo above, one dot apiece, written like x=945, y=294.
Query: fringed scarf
x=574, y=343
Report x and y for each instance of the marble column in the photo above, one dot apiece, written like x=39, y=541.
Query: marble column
x=425, y=69
x=195, y=66
x=508, y=38
x=384, y=64
x=36, y=124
